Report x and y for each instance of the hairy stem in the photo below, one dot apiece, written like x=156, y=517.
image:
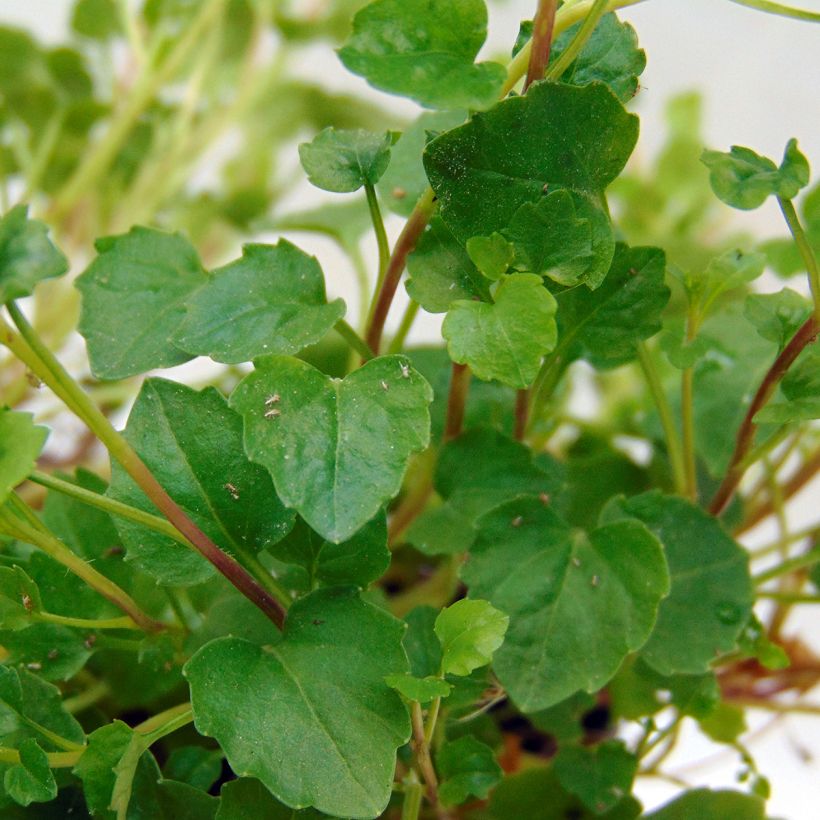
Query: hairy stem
x=746, y=433
x=456, y=400
x=542, y=28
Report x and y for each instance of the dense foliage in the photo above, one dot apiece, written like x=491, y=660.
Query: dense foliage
x=332, y=574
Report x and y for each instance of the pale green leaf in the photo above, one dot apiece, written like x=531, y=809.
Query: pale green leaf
x=422, y=690
x=20, y=444
x=492, y=255
x=470, y=632
x=308, y=431
x=777, y=316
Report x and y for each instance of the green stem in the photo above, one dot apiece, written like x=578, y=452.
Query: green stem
x=353, y=339
x=87, y=698
x=673, y=442
x=807, y=559
x=85, y=623
x=806, y=252
x=57, y=740
x=789, y=597
x=687, y=411
x=544, y=386
x=29, y=348
x=432, y=720
x=780, y=10
x=381, y=240
x=413, y=794
x=410, y=313
x=56, y=760
x=54, y=548
x=162, y=724
x=597, y=10
x=425, y=762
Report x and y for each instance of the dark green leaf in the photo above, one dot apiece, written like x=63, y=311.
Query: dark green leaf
x=601, y=776
x=27, y=255
x=195, y=765
x=744, y=179
x=611, y=55
x=272, y=300
x=603, y=326
x=20, y=444
x=467, y=768
x=554, y=135
x=192, y=442
x=421, y=643
x=246, y=797
x=322, y=684
x=307, y=430
x=616, y=575
x=422, y=690
x=711, y=595
x=441, y=272
x=425, y=50
x=134, y=296
x=54, y=651
x=505, y=340
x=344, y=161
x=30, y=780
x=705, y=804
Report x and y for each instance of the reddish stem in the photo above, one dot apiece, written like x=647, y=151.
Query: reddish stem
x=522, y=410
x=541, y=41
x=457, y=400
x=746, y=433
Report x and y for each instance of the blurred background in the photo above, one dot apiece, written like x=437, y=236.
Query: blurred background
x=216, y=157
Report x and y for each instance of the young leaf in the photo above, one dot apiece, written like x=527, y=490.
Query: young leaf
x=134, y=296
x=611, y=55
x=505, y=340
x=470, y=631
x=468, y=768
x=27, y=255
x=604, y=326
x=600, y=776
x=558, y=586
x=441, y=271
x=422, y=690
x=564, y=237
x=744, y=179
x=20, y=443
x=777, y=316
x=308, y=431
x=272, y=300
x=554, y=135
x=19, y=598
x=710, y=583
x=425, y=50
x=404, y=181
x=30, y=780
x=355, y=562
x=801, y=389
x=192, y=442
x=323, y=683
x=344, y=161
x=492, y=255
x=706, y=804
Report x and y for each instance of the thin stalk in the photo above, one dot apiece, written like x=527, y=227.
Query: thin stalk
x=780, y=10
x=541, y=45
x=456, y=400
x=88, y=698
x=687, y=411
x=354, y=341
x=56, y=760
x=556, y=70
x=85, y=623
x=39, y=162
x=544, y=385
x=425, y=762
x=381, y=241
x=410, y=313
x=413, y=794
x=162, y=724
x=54, y=548
x=57, y=740
x=812, y=532
x=29, y=348
x=795, y=564
x=432, y=720
x=746, y=433
x=789, y=597
x=806, y=252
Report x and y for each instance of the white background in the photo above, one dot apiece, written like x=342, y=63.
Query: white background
x=759, y=76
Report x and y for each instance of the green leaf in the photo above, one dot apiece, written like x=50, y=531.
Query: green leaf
x=611, y=55
x=97, y=19
x=307, y=430
x=425, y=50
x=192, y=442
x=422, y=690
x=554, y=135
x=357, y=561
x=421, y=642
x=470, y=632
x=467, y=768
x=344, y=161
x=19, y=598
x=20, y=444
x=54, y=651
x=505, y=340
x=725, y=724
x=323, y=683
x=558, y=586
x=601, y=776
x=744, y=179
x=711, y=587
x=441, y=271
x=246, y=797
x=30, y=780
x=777, y=316
x=27, y=255
x=712, y=805
x=564, y=237
x=604, y=326
x=404, y=181
x=134, y=296
x=755, y=642
x=492, y=255
x=195, y=765
x=272, y=300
